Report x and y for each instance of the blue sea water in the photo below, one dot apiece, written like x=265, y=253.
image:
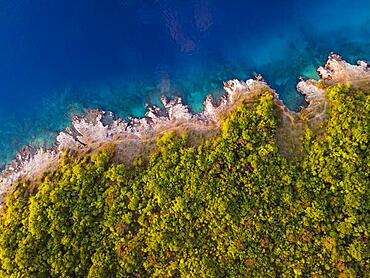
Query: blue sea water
x=60, y=57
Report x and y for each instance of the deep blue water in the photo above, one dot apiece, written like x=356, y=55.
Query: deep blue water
x=61, y=56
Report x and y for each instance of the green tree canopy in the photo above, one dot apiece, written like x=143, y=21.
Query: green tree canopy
x=232, y=206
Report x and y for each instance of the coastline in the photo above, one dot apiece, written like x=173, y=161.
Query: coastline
x=98, y=127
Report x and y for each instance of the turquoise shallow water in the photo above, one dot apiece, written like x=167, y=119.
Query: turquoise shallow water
x=60, y=57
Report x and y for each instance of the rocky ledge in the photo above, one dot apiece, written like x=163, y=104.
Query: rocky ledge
x=337, y=69
x=98, y=127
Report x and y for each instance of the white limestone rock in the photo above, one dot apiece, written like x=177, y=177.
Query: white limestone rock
x=67, y=141
x=90, y=131
x=176, y=110
x=339, y=70
x=310, y=91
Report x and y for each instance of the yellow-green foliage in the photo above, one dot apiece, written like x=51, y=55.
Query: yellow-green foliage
x=231, y=207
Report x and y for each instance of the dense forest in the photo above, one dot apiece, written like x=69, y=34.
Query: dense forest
x=231, y=206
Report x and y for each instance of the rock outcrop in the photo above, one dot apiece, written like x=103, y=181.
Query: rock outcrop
x=97, y=127
x=315, y=97
x=337, y=69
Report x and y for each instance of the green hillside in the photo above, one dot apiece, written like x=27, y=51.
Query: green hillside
x=231, y=206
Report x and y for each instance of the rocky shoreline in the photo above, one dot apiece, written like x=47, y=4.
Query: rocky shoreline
x=99, y=127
